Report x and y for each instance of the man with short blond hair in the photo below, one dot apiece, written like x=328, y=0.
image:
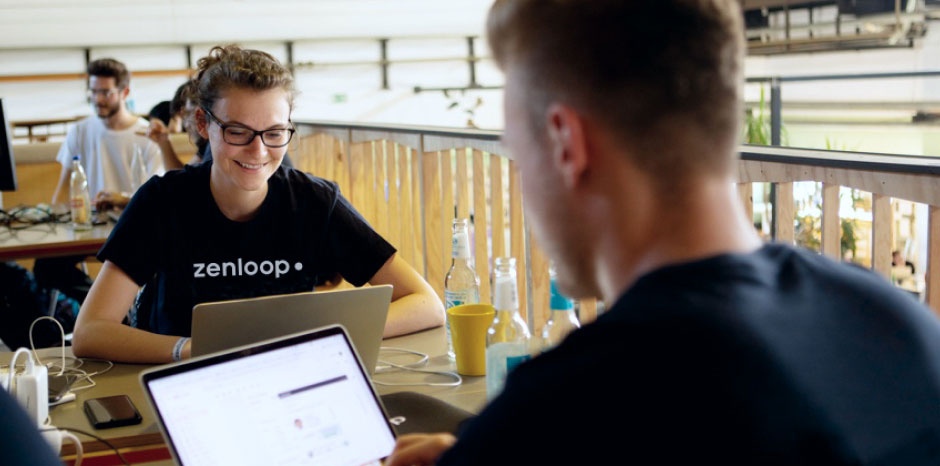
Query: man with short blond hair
x=623, y=119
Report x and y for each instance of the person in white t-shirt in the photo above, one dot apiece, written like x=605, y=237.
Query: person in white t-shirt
x=117, y=156
x=113, y=148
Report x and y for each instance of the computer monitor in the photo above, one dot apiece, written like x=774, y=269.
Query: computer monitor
x=7, y=164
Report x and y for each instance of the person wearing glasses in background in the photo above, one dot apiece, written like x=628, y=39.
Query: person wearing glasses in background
x=286, y=230
x=105, y=145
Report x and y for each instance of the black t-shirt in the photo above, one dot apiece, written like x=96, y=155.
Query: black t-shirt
x=775, y=357
x=173, y=239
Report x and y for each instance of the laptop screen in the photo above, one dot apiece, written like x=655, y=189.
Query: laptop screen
x=307, y=402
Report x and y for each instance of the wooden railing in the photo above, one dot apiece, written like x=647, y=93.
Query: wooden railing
x=411, y=182
x=912, y=178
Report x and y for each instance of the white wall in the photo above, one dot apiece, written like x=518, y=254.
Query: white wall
x=354, y=93
x=30, y=23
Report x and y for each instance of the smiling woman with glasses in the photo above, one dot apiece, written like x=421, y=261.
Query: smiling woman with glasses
x=239, y=225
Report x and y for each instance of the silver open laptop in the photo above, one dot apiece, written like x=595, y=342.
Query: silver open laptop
x=296, y=400
x=227, y=324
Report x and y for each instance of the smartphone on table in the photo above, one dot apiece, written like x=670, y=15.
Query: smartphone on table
x=112, y=411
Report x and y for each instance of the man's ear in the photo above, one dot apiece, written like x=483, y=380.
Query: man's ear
x=125, y=92
x=202, y=125
x=568, y=148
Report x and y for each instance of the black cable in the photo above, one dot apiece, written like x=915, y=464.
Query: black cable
x=24, y=217
x=88, y=434
x=21, y=218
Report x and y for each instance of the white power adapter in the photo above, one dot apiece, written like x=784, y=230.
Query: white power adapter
x=32, y=391
x=30, y=388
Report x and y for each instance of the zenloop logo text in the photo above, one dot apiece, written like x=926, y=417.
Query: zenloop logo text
x=240, y=269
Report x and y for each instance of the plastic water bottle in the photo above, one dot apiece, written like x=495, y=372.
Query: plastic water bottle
x=79, y=200
x=562, y=319
x=461, y=285
x=508, y=341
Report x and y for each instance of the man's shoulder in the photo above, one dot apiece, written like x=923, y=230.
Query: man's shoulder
x=774, y=278
x=86, y=124
x=801, y=274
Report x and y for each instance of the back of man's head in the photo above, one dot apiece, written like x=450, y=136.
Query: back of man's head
x=664, y=76
x=110, y=68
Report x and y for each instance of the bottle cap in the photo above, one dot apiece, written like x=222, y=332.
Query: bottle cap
x=559, y=301
x=504, y=294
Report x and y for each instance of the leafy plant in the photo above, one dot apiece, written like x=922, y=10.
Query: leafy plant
x=756, y=127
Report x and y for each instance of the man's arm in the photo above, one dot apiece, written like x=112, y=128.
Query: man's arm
x=67, y=150
x=61, y=190
x=106, y=200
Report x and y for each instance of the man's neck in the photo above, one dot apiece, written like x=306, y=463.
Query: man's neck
x=702, y=222
x=121, y=120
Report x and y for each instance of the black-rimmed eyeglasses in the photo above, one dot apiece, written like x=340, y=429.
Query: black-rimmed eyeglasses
x=238, y=135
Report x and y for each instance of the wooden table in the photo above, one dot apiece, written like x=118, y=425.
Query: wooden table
x=51, y=240
x=143, y=443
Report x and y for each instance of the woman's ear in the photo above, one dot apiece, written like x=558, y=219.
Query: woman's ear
x=202, y=123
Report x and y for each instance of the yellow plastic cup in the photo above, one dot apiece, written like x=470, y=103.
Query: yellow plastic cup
x=468, y=325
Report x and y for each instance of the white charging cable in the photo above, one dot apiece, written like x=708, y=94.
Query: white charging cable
x=79, y=450
x=388, y=367
x=54, y=437
x=74, y=369
x=32, y=345
x=30, y=366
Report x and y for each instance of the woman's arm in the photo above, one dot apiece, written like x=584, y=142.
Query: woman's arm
x=414, y=306
x=160, y=134
x=99, y=332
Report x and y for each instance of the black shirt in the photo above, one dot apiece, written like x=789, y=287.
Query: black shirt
x=173, y=239
x=775, y=357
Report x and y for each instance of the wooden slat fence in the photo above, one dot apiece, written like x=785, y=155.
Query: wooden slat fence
x=410, y=183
